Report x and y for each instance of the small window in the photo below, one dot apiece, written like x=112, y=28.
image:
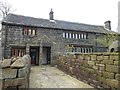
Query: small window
x=87, y=50
x=18, y=52
x=29, y=31
x=33, y=32
x=63, y=35
x=75, y=49
x=90, y=49
x=84, y=50
x=25, y=31
x=66, y=35
x=69, y=35
x=87, y=36
x=76, y=36
x=79, y=36
x=82, y=36
x=73, y=35
x=79, y=49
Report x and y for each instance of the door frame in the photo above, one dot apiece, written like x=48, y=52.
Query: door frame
x=36, y=54
x=48, y=54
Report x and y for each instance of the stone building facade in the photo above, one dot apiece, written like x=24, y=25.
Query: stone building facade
x=44, y=39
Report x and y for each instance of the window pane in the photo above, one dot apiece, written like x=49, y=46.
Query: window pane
x=91, y=49
x=87, y=36
x=33, y=32
x=69, y=35
x=85, y=50
x=82, y=36
x=66, y=35
x=63, y=35
x=79, y=36
x=76, y=36
x=29, y=31
x=73, y=35
x=25, y=31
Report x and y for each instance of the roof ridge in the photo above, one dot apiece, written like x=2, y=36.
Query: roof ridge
x=26, y=16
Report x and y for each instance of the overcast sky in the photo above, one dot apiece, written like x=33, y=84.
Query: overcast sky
x=94, y=12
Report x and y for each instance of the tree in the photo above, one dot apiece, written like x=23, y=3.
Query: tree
x=5, y=9
x=107, y=39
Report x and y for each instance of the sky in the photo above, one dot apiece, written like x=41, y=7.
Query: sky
x=94, y=12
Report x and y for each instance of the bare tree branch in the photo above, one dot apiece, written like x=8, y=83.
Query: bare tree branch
x=5, y=9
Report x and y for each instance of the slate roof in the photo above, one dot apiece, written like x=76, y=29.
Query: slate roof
x=57, y=24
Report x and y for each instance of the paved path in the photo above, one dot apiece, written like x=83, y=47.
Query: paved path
x=51, y=77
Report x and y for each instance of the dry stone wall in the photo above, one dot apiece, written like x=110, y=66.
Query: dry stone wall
x=101, y=70
x=15, y=72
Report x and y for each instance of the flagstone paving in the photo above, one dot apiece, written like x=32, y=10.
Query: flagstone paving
x=50, y=77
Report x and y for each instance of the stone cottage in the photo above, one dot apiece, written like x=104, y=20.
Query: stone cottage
x=44, y=39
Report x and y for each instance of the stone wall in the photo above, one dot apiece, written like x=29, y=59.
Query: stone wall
x=15, y=72
x=99, y=70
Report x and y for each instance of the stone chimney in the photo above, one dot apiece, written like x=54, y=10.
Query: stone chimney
x=108, y=25
x=51, y=16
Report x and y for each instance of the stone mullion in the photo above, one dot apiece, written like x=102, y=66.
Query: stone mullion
x=27, y=49
x=40, y=53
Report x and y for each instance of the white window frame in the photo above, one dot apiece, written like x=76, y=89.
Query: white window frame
x=33, y=32
x=63, y=35
x=82, y=36
x=73, y=35
x=76, y=36
x=69, y=35
x=79, y=36
x=29, y=32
